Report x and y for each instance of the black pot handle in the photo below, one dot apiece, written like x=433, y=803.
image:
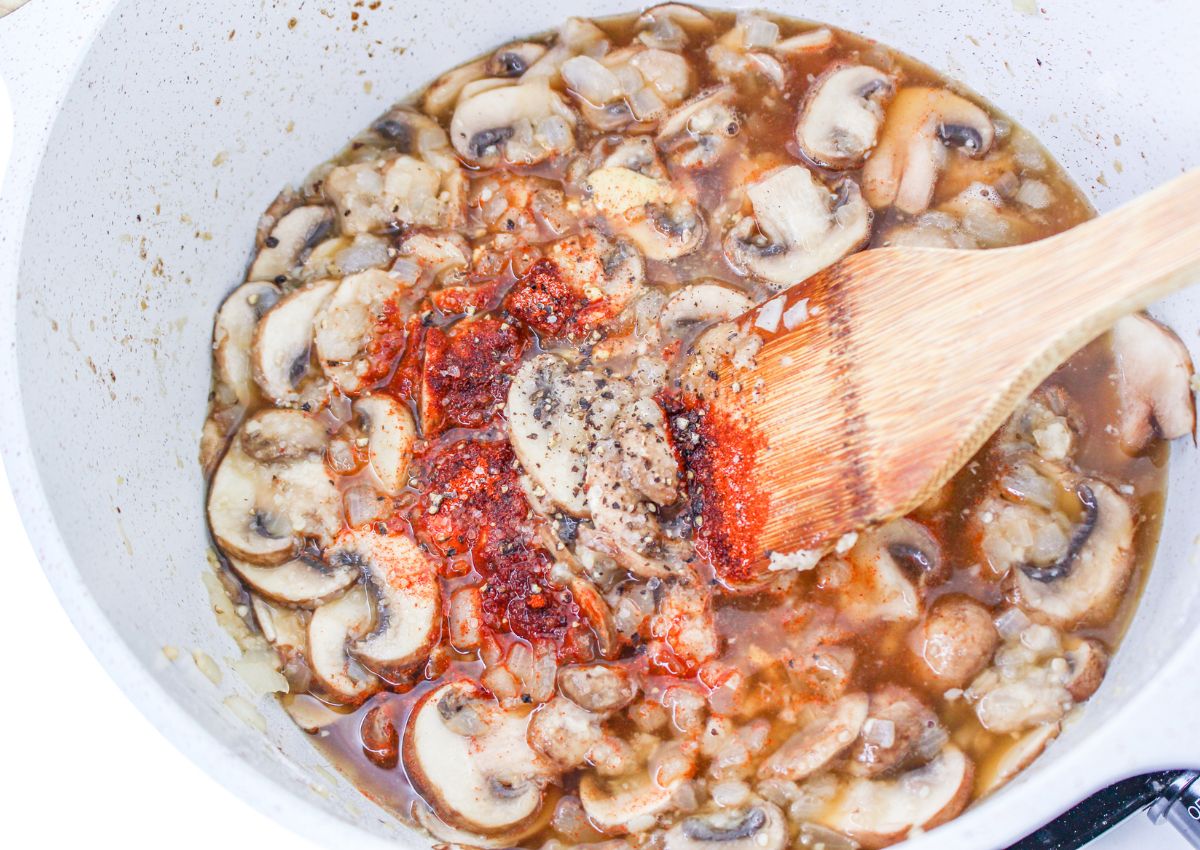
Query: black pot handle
x=1172, y=796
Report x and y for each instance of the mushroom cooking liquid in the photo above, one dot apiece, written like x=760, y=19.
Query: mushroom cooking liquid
x=458, y=467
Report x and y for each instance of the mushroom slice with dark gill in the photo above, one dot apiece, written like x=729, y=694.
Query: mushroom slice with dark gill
x=390, y=432
x=702, y=131
x=886, y=566
x=757, y=826
x=651, y=212
x=285, y=247
x=469, y=760
x=513, y=60
x=699, y=304
x=879, y=812
x=1083, y=586
x=900, y=732
x=261, y=511
x=1154, y=372
x=296, y=582
x=921, y=127
x=408, y=600
x=522, y=124
x=338, y=676
x=842, y=112
x=798, y=227
x=282, y=351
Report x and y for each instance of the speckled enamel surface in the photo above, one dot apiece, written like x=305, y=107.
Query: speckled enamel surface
x=149, y=135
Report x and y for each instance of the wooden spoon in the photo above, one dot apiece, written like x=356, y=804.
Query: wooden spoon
x=907, y=361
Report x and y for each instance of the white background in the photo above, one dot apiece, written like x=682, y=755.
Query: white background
x=80, y=765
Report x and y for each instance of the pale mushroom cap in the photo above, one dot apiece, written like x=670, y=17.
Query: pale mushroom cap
x=807, y=227
x=1089, y=593
x=295, y=582
x=390, y=433
x=407, y=592
x=331, y=628
x=283, y=344
x=483, y=123
x=1154, y=372
x=233, y=335
x=877, y=813
x=484, y=782
x=840, y=119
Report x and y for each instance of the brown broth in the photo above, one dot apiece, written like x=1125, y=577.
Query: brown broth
x=759, y=632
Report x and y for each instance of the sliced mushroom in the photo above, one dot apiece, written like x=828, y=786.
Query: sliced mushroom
x=281, y=355
x=628, y=476
x=841, y=115
x=825, y=737
x=629, y=802
x=280, y=435
x=876, y=813
x=599, y=688
x=900, y=733
x=290, y=238
x=469, y=760
x=1084, y=586
x=262, y=512
x=757, y=826
x=921, y=125
x=957, y=640
x=296, y=582
x=441, y=97
x=1016, y=757
x=878, y=588
x=555, y=417
x=701, y=132
x=699, y=304
x=513, y=60
x=346, y=324
x=330, y=631
x=1154, y=372
x=664, y=224
x=390, y=433
x=522, y=124
x=461, y=838
x=408, y=598
x=801, y=227
x=233, y=335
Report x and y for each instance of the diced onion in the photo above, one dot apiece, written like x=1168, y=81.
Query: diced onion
x=758, y=32
x=591, y=80
x=1011, y=623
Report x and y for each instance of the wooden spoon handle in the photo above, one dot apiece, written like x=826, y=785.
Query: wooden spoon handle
x=1086, y=278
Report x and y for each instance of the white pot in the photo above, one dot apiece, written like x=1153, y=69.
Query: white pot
x=149, y=137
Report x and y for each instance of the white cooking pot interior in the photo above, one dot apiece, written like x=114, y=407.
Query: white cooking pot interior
x=182, y=123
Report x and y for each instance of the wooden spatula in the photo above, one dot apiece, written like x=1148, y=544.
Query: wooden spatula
x=908, y=359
